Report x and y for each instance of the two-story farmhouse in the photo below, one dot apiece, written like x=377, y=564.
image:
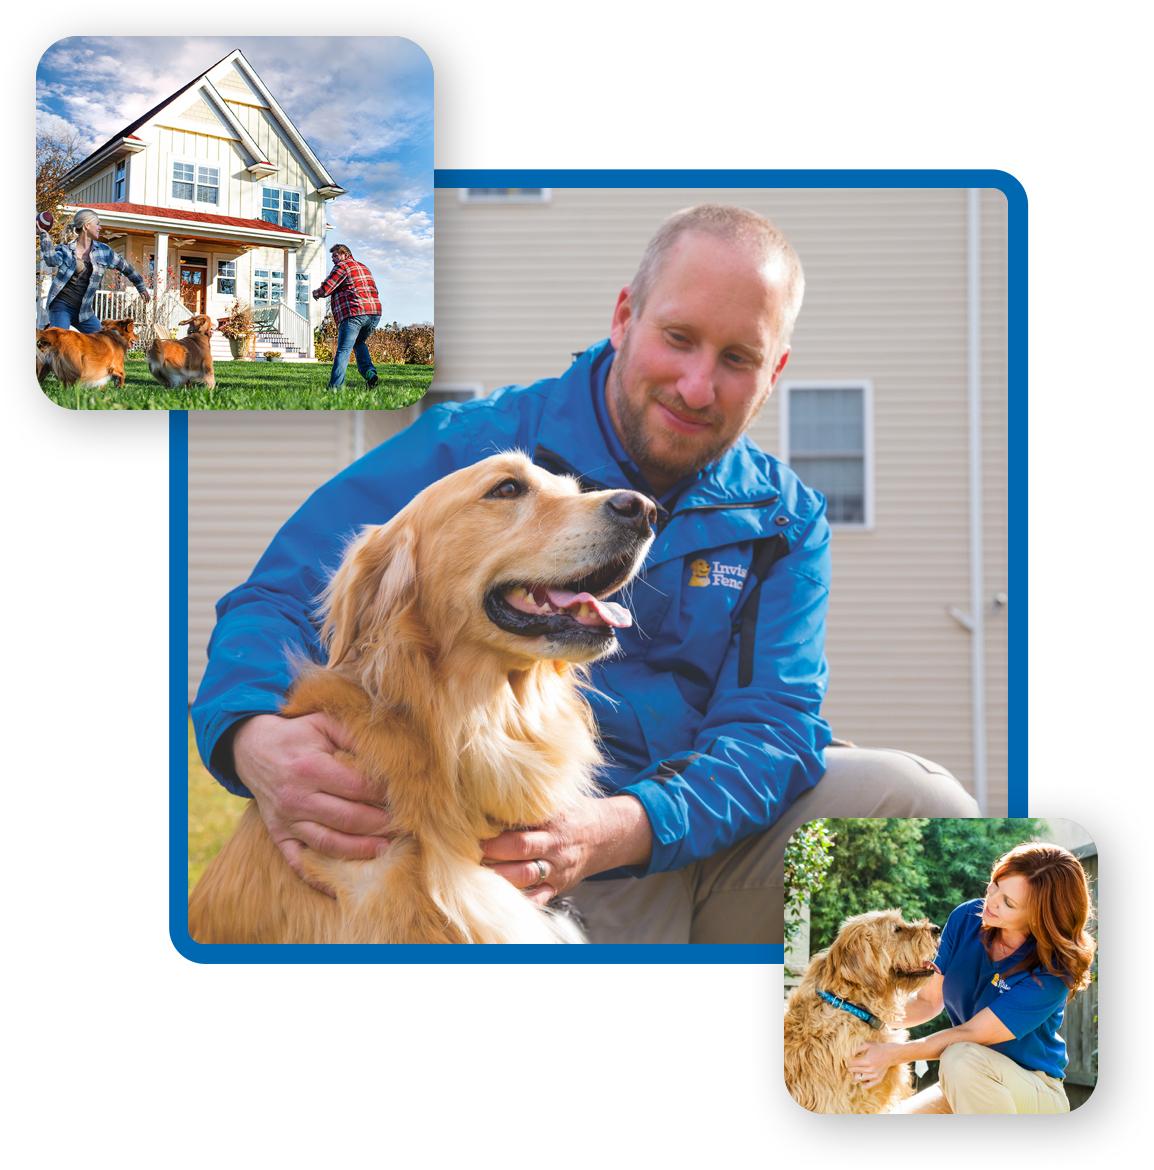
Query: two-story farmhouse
x=214, y=195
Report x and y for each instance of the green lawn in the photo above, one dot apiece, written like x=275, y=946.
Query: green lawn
x=256, y=385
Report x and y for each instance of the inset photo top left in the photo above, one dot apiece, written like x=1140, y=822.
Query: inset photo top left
x=236, y=223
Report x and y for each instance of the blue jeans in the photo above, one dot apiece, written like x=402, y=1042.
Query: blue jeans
x=352, y=333
x=65, y=317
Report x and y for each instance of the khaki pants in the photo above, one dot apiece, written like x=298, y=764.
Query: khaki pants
x=976, y=1079
x=737, y=896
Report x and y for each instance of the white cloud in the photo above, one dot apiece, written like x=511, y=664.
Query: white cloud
x=403, y=229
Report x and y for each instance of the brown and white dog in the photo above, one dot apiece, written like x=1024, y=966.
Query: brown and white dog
x=186, y=359
x=876, y=962
x=87, y=359
x=454, y=634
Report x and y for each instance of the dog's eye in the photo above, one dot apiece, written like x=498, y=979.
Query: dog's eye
x=507, y=489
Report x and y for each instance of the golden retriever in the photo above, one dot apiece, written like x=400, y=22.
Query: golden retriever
x=187, y=359
x=453, y=634
x=90, y=359
x=876, y=962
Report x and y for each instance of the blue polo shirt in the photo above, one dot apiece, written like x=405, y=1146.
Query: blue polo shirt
x=1030, y=1003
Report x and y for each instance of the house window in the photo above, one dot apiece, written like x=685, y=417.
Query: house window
x=226, y=278
x=827, y=438
x=195, y=184
x=267, y=287
x=208, y=184
x=183, y=180
x=303, y=293
x=506, y=194
x=120, y=181
x=280, y=206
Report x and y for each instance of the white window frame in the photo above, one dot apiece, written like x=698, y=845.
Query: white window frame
x=120, y=178
x=865, y=385
x=440, y=392
x=282, y=191
x=506, y=195
x=303, y=280
x=197, y=167
x=270, y=276
x=217, y=261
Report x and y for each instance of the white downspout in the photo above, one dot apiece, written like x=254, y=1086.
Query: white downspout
x=977, y=554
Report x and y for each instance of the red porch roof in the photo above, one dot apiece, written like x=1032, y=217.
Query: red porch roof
x=193, y=216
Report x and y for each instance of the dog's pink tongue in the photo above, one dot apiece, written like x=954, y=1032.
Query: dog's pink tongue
x=609, y=613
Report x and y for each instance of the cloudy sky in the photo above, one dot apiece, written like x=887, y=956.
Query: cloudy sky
x=364, y=104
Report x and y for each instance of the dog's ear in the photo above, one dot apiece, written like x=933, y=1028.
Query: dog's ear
x=374, y=583
x=853, y=959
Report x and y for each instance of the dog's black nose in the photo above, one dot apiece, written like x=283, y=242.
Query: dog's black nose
x=935, y=930
x=632, y=508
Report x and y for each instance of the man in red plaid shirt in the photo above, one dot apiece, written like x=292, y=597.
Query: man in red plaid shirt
x=356, y=308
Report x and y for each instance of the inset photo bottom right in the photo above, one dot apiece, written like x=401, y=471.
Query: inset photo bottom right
x=941, y=965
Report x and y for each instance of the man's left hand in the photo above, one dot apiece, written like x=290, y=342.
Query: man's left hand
x=596, y=835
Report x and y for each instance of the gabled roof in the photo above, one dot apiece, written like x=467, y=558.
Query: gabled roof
x=193, y=217
x=127, y=141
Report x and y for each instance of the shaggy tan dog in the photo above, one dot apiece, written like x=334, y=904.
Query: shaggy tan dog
x=452, y=632
x=187, y=359
x=90, y=359
x=876, y=962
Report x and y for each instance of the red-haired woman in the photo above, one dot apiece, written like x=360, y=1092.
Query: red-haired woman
x=1007, y=965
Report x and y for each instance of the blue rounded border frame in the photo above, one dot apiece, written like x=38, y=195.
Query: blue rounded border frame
x=624, y=953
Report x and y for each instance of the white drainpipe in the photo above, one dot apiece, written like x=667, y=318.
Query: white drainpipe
x=977, y=555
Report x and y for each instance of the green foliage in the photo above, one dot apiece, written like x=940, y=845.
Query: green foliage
x=808, y=857
x=923, y=867
x=255, y=385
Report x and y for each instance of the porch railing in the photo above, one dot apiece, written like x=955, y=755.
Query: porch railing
x=289, y=324
x=158, y=318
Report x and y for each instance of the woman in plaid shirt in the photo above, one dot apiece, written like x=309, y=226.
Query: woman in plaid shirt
x=356, y=308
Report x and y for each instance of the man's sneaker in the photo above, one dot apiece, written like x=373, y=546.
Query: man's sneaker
x=372, y=382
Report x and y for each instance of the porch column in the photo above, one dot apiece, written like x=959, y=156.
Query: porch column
x=161, y=246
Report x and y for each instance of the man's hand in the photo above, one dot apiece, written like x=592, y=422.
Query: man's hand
x=599, y=834
x=306, y=796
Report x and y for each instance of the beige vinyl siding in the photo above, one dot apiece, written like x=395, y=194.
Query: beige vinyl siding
x=247, y=473
x=519, y=286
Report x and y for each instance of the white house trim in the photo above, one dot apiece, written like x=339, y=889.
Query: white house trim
x=327, y=187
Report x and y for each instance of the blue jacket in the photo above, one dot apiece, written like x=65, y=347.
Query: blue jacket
x=62, y=257
x=709, y=717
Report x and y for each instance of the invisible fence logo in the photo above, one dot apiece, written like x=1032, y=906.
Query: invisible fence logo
x=704, y=573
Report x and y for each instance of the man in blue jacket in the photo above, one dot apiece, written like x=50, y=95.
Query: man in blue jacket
x=710, y=716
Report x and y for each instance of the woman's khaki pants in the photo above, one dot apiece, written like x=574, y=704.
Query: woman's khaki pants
x=976, y=1079
x=736, y=896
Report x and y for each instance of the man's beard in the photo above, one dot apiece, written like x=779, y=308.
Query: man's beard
x=684, y=454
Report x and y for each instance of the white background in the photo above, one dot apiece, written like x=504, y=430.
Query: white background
x=117, y=1049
